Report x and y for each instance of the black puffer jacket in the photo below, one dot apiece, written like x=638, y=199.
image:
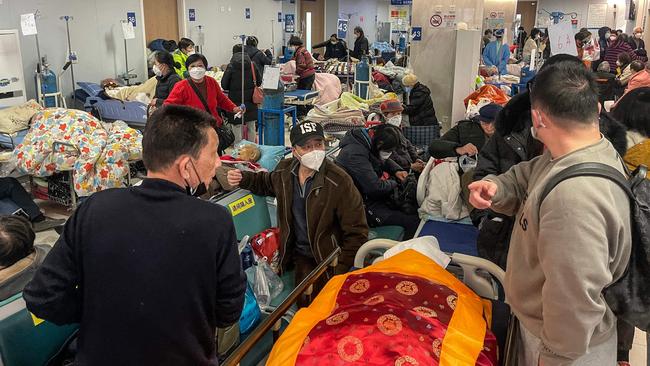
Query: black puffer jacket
x=420, y=107
x=405, y=154
x=259, y=58
x=231, y=81
x=465, y=132
x=361, y=47
x=365, y=167
x=164, y=87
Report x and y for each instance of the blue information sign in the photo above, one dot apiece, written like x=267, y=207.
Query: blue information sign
x=289, y=23
x=416, y=33
x=130, y=17
x=342, y=28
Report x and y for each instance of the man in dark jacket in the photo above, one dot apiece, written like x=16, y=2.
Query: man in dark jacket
x=419, y=105
x=258, y=57
x=319, y=209
x=14, y=199
x=366, y=160
x=232, y=82
x=361, y=45
x=149, y=272
x=467, y=137
x=334, y=48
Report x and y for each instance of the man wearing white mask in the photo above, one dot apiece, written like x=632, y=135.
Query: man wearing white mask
x=319, y=208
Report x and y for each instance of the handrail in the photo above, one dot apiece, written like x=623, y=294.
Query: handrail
x=276, y=315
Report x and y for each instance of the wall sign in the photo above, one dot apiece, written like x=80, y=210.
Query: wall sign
x=192, y=15
x=342, y=28
x=289, y=23
x=436, y=20
x=130, y=17
x=248, y=13
x=561, y=38
x=416, y=33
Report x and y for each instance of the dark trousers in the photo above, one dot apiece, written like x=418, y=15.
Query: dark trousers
x=306, y=83
x=303, y=267
x=624, y=340
x=378, y=214
x=10, y=188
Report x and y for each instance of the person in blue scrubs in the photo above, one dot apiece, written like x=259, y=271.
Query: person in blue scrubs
x=497, y=53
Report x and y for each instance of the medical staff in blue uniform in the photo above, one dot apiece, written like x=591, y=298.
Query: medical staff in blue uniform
x=497, y=53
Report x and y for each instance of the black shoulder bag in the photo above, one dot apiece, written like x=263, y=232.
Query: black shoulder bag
x=226, y=136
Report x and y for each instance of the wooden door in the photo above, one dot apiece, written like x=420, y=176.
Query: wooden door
x=160, y=19
x=528, y=11
x=317, y=10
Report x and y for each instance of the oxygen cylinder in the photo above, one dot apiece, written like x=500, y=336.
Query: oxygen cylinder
x=48, y=86
x=362, y=78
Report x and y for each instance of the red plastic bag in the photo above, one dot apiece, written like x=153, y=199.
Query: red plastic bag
x=266, y=245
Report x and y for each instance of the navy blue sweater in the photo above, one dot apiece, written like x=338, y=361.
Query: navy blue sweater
x=149, y=272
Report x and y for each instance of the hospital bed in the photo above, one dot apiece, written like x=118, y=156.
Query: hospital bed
x=11, y=140
x=109, y=110
x=300, y=97
x=481, y=276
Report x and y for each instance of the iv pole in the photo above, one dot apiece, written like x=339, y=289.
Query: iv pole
x=67, y=19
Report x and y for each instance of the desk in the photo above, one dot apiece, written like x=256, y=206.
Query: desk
x=280, y=112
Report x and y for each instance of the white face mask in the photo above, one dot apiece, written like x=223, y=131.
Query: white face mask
x=638, y=35
x=197, y=73
x=157, y=71
x=313, y=159
x=395, y=120
x=384, y=155
x=607, y=35
x=190, y=53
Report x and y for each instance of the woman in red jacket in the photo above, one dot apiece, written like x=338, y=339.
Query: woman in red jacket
x=304, y=64
x=201, y=92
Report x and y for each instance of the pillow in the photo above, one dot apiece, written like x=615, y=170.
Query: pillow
x=92, y=89
x=271, y=155
x=14, y=119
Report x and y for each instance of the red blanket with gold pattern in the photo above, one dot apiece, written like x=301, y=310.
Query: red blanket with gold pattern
x=403, y=311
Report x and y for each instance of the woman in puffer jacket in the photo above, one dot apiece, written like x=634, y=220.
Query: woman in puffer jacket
x=633, y=111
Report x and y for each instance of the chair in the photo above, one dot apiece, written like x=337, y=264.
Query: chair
x=421, y=137
x=250, y=212
x=391, y=232
x=26, y=340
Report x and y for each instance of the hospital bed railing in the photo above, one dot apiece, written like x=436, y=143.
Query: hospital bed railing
x=481, y=275
x=274, y=320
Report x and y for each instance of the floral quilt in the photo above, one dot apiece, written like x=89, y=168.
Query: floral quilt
x=68, y=139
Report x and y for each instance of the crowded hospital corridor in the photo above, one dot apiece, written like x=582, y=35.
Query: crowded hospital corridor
x=324, y=182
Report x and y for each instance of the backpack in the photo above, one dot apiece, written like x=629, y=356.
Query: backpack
x=629, y=296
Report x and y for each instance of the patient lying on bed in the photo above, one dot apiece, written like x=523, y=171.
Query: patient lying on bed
x=405, y=310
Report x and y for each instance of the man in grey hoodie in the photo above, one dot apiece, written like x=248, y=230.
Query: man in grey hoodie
x=565, y=250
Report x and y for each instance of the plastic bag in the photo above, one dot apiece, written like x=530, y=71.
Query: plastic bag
x=490, y=92
x=268, y=285
x=267, y=245
x=250, y=315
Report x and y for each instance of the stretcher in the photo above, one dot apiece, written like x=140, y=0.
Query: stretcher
x=453, y=236
x=300, y=97
x=108, y=110
x=133, y=113
x=10, y=140
x=481, y=276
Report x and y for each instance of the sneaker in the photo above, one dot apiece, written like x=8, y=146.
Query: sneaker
x=47, y=224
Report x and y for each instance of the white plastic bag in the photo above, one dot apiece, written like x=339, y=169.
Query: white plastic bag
x=268, y=285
